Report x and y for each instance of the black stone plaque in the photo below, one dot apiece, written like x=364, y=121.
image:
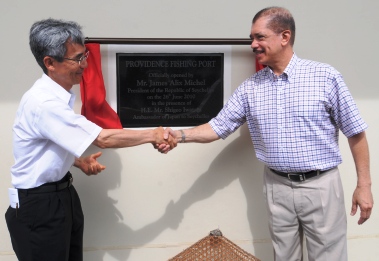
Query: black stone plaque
x=169, y=89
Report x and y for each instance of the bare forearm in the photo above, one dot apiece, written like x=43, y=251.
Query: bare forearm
x=120, y=138
x=362, y=196
x=359, y=149
x=200, y=134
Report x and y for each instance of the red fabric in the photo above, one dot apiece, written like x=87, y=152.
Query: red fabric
x=258, y=66
x=92, y=91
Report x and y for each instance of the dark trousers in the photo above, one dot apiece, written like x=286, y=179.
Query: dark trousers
x=47, y=226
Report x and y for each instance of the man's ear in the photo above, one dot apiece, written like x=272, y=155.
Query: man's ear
x=49, y=63
x=286, y=36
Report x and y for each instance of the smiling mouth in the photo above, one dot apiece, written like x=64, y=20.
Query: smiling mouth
x=256, y=51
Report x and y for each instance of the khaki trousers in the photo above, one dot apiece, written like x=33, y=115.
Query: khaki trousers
x=314, y=208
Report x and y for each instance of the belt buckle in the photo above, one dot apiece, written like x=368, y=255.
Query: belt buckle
x=70, y=181
x=300, y=176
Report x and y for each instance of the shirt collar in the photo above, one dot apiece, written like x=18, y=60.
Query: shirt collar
x=58, y=91
x=288, y=71
x=291, y=67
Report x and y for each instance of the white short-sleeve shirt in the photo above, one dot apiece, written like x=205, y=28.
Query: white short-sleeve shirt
x=48, y=135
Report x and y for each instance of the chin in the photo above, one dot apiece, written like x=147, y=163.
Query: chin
x=78, y=80
x=261, y=61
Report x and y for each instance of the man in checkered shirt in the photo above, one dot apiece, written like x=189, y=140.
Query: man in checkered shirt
x=294, y=109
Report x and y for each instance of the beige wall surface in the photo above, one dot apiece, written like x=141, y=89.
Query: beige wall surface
x=149, y=206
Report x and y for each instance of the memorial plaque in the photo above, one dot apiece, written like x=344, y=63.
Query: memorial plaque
x=169, y=89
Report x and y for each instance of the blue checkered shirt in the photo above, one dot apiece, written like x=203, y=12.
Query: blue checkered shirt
x=294, y=119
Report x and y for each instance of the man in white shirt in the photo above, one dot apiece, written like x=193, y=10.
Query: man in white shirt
x=49, y=138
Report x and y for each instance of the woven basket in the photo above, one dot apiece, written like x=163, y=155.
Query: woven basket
x=214, y=247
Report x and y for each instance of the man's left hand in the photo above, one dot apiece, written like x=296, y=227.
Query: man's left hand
x=89, y=165
x=363, y=199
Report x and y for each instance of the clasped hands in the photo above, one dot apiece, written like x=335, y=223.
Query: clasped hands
x=165, y=140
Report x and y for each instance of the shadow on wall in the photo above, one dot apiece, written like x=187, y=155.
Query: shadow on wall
x=226, y=168
x=108, y=232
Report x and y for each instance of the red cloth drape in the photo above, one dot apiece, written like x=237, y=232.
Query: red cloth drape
x=258, y=66
x=92, y=91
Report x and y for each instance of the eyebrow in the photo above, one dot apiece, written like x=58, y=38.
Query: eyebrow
x=78, y=56
x=259, y=34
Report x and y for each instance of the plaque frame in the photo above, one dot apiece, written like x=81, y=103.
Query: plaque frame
x=169, y=89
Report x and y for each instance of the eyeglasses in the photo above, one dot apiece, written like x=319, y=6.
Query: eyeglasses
x=79, y=60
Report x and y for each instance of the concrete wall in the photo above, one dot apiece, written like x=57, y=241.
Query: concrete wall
x=148, y=206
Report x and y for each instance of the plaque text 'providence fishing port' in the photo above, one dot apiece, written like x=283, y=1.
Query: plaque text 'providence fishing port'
x=169, y=89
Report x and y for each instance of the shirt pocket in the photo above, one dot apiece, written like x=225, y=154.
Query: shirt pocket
x=308, y=112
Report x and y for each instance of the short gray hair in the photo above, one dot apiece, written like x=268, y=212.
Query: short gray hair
x=48, y=37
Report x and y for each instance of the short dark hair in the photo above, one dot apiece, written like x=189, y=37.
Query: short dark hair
x=280, y=19
x=48, y=38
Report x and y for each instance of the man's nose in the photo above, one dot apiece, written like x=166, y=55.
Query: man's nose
x=254, y=44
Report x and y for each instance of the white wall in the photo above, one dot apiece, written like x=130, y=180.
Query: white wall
x=148, y=206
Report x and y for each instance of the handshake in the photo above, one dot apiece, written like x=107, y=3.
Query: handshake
x=167, y=139
x=162, y=139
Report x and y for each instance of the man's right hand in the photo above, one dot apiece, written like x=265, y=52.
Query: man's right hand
x=165, y=140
